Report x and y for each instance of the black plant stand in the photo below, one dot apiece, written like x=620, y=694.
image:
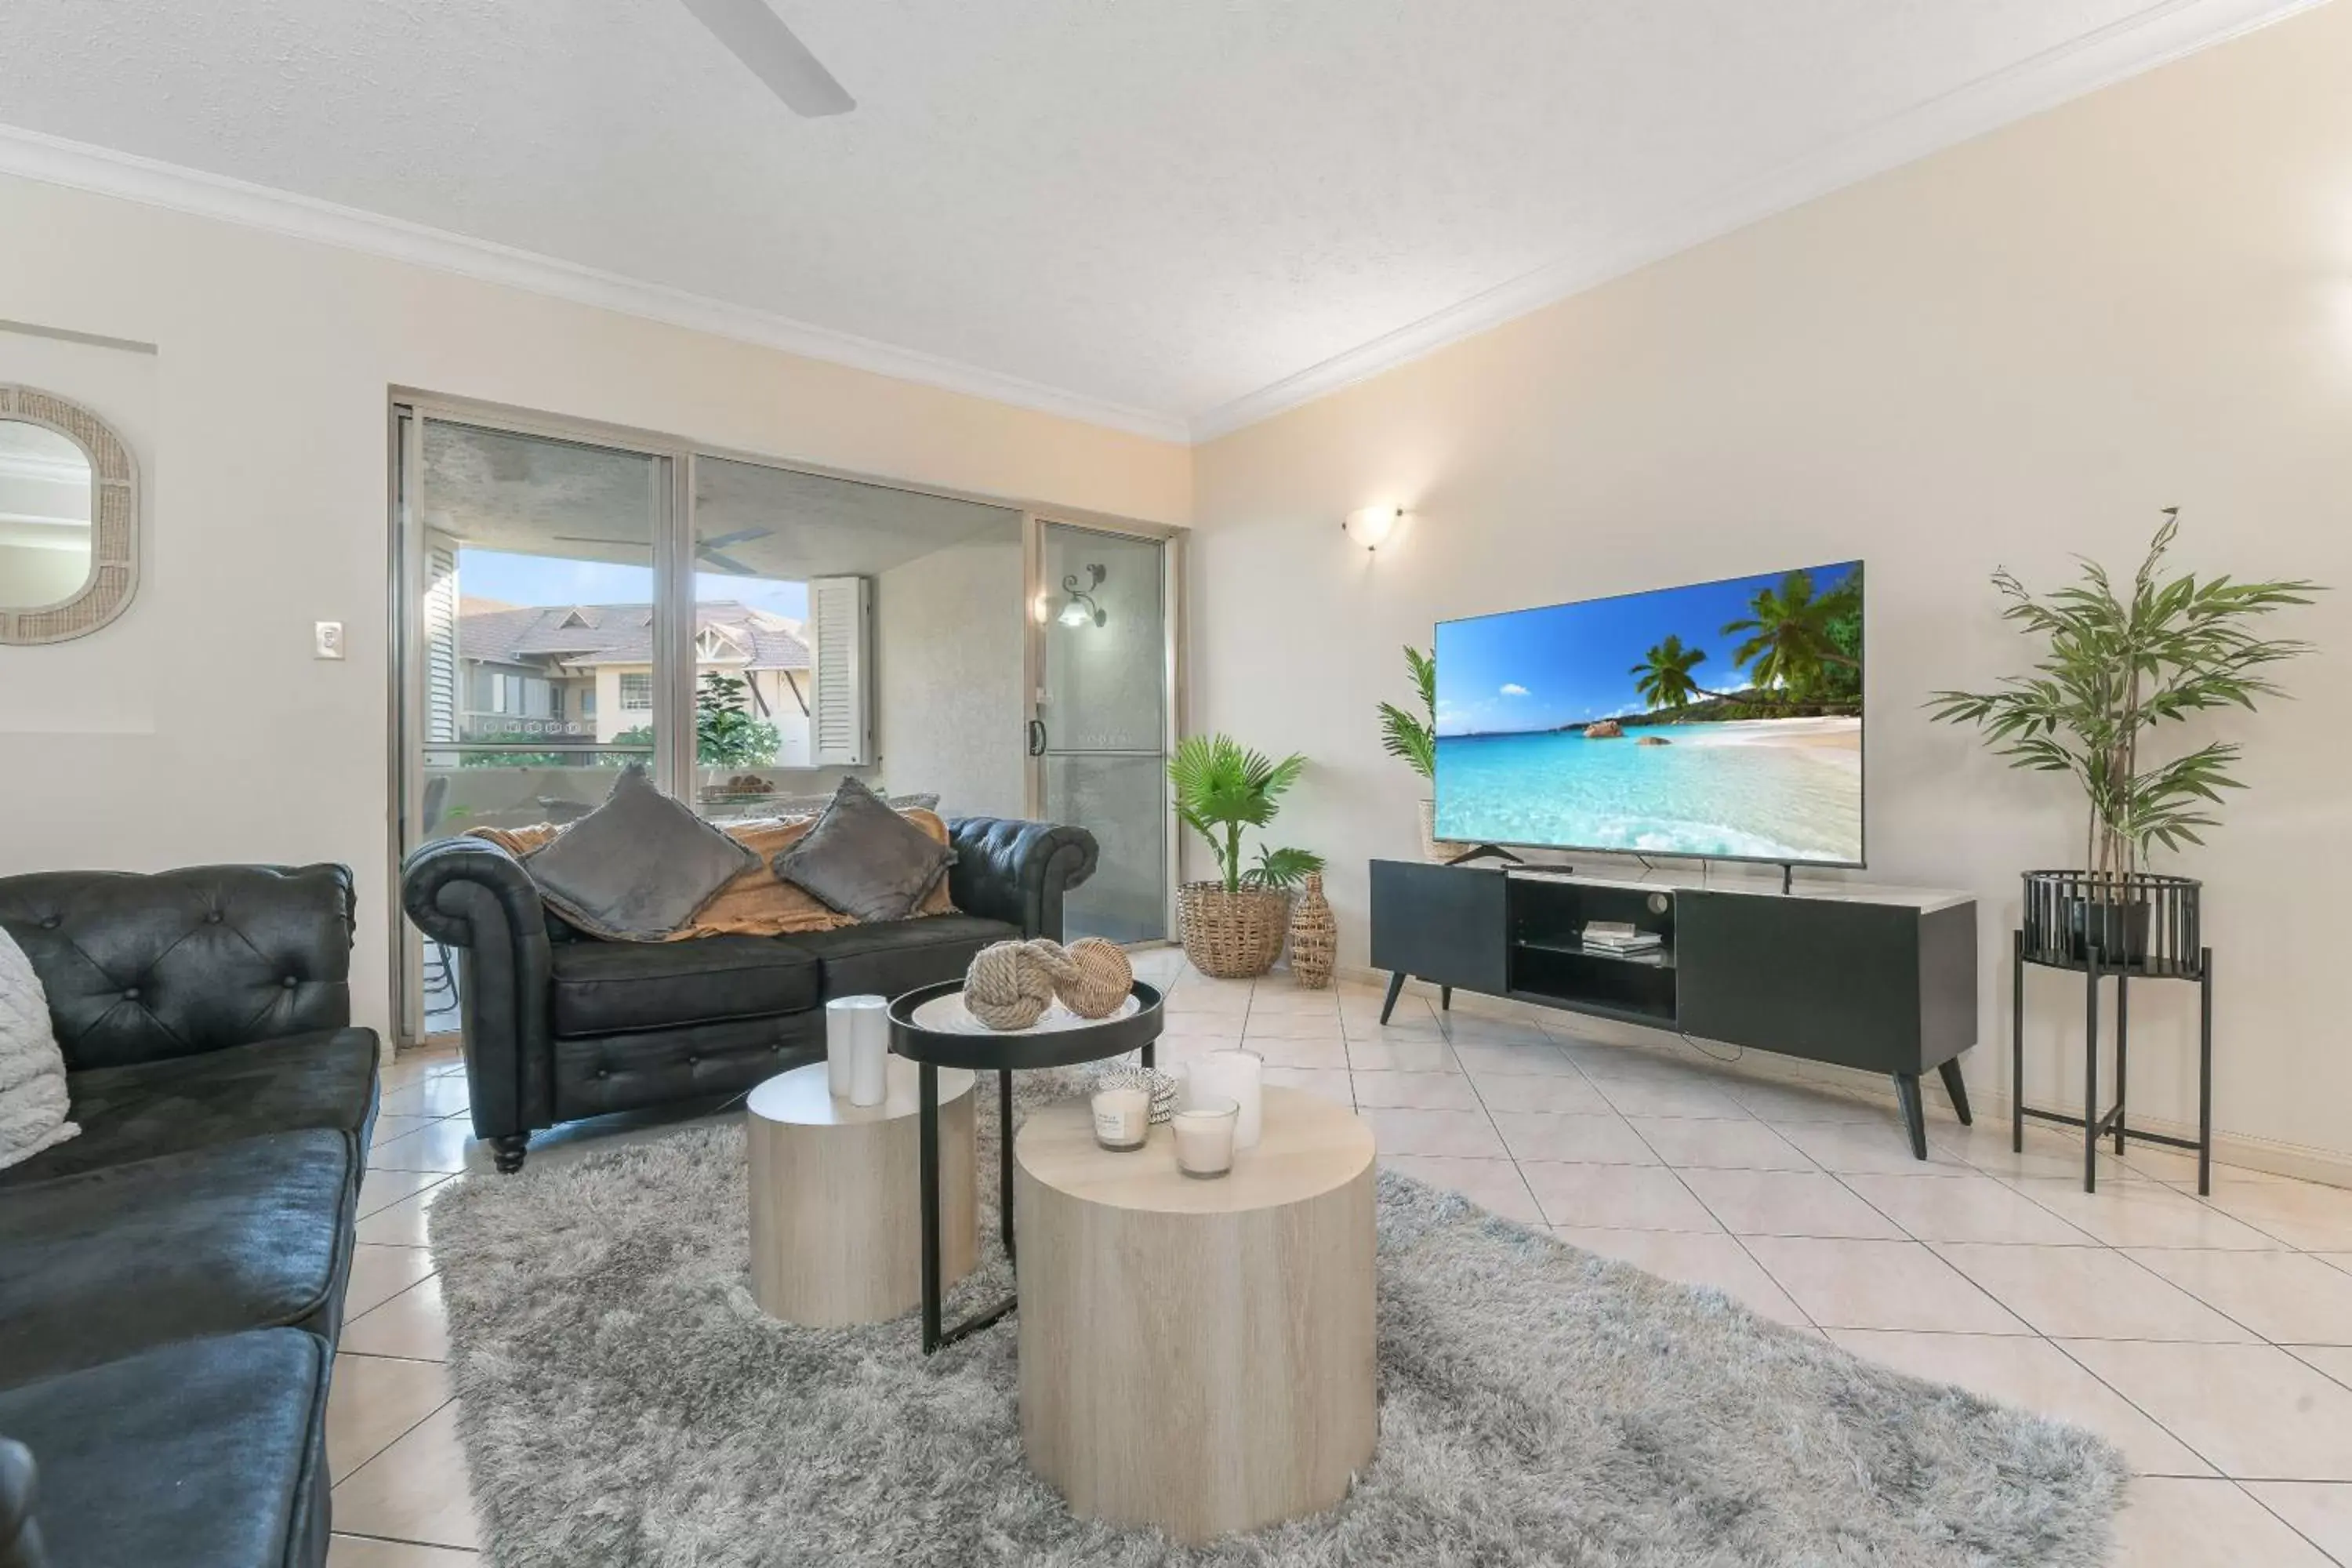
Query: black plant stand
x=2143, y=926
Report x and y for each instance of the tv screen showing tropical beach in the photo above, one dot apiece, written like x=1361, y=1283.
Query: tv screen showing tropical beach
x=1722, y=719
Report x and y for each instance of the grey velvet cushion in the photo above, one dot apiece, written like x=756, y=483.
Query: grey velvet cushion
x=865, y=859
x=637, y=867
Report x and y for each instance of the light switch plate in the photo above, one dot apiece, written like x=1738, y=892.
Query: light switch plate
x=327, y=639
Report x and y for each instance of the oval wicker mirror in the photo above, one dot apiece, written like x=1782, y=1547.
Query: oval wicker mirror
x=69, y=518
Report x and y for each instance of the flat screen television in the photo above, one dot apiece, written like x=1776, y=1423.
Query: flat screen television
x=1721, y=721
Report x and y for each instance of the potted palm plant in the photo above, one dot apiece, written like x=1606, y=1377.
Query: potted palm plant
x=1412, y=738
x=2116, y=666
x=1233, y=927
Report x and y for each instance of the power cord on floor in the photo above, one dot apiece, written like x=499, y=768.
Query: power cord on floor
x=1737, y=1051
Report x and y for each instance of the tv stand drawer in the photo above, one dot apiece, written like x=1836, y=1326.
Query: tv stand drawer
x=1446, y=924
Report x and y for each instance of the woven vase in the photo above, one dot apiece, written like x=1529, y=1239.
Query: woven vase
x=1314, y=936
x=1232, y=936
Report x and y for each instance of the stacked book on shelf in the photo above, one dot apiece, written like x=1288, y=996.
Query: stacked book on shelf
x=1619, y=937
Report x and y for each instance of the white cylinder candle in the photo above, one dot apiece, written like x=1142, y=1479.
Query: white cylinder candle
x=1205, y=1135
x=870, y=1067
x=1237, y=1076
x=844, y=1018
x=1122, y=1118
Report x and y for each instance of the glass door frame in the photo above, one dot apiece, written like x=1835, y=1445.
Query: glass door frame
x=1041, y=588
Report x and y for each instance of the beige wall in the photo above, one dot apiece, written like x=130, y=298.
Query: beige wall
x=199, y=728
x=2015, y=350
x=948, y=666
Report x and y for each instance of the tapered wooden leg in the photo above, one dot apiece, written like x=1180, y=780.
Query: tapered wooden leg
x=1958, y=1088
x=1396, y=987
x=1446, y=998
x=1914, y=1116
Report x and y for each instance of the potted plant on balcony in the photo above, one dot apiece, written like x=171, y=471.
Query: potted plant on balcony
x=2115, y=666
x=1411, y=737
x=1233, y=927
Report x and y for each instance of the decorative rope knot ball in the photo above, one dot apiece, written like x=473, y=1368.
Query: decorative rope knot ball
x=1010, y=984
x=1096, y=979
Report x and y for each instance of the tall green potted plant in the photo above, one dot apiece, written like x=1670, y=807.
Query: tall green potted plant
x=1412, y=738
x=1233, y=927
x=2115, y=666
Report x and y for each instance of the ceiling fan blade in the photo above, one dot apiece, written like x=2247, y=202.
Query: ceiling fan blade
x=738, y=537
x=726, y=564
x=592, y=539
x=758, y=37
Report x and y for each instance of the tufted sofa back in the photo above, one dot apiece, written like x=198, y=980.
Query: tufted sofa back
x=141, y=967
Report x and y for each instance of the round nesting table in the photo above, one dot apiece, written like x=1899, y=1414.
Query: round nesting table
x=930, y=1028
x=1198, y=1356
x=836, y=1195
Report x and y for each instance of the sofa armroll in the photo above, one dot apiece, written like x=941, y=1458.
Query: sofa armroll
x=1018, y=872
x=20, y=1535
x=474, y=896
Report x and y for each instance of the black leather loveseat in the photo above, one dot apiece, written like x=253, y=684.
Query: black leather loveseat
x=172, y=1279
x=560, y=1025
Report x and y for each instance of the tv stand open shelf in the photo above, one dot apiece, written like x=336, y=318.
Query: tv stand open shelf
x=1879, y=978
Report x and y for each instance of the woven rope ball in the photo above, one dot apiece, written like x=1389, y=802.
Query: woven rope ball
x=1096, y=979
x=1010, y=984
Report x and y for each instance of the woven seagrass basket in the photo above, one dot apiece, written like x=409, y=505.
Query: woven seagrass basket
x=1232, y=936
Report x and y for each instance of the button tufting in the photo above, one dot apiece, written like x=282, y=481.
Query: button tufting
x=693, y=1061
x=51, y=923
x=292, y=981
x=211, y=917
x=603, y=1072
x=131, y=994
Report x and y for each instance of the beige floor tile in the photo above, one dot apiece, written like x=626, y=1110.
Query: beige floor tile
x=2176, y=1523
x=1788, y=1203
x=1854, y=1148
x=1292, y=1027
x=447, y=1146
x=1777, y=1102
x=380, y=1190
x=1286, y=1051
x=401, y=1224
x=1669, y=1097
x=2032, y=1375
x=380, y=1273
x=2301, y=1214
x=1965, y=1208
x=2253, y=1410
x=1601, y=1061
x=1694, y=1258
x=2045, y=1156
x=1718, y=1146
x=1470, y=1029
x=1615, y=1197
x=2336, y=1361
x=1493, y=1184
x=1849, y=1284
x=1324, y=1083
x=414, y=1491
x=2322, y=1510
x=1465, y=1133
x=1364, y=1012
x=1570, y=1095
x=2140, y=1214
x=1173, y=1047
x=1270, y=998
x=388, y=1128
x=2087, y=1292
x=435, y=1095
x=1186, y=1001
x=1420, y=1092
x=1489, y=1060
x=360, y=1551
x=1398, y=1054
x=2289, y=1297
x=373, y=1401
x=2179, y=1166
x=1601, y=1140
x=412, y=1325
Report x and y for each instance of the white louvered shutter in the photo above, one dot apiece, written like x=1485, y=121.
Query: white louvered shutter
x=841, y=719
x=440, y=635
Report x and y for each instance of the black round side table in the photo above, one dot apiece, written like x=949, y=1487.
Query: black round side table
x=1004, y=1052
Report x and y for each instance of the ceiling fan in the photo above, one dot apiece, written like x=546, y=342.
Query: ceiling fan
x=705, y=550
x=758, y=37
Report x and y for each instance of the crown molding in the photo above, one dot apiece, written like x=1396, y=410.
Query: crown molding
x=79, y=166
x=2156, y=37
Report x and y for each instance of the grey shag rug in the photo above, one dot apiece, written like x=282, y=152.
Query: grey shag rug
x=624, y=1402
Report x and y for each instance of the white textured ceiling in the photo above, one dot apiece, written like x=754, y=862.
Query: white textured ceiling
x=1165, y=207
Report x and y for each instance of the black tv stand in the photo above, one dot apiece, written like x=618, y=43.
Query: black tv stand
x=1486, y=852
x=1884, y=979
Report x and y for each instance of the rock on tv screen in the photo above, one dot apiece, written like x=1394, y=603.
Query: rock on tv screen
x=1720, y=721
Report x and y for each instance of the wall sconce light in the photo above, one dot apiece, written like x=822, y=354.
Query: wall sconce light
x=1371, y=526
x=1082, y=607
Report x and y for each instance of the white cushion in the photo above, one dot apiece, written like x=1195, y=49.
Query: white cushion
x=32, y=1072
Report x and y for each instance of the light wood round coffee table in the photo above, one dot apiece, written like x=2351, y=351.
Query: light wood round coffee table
x=837, y=1197
x=1198, y=1355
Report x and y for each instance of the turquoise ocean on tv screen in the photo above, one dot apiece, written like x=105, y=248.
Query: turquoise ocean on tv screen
x=1709, y=791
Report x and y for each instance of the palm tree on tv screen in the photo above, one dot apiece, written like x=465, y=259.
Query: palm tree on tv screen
x=1789, y=643
x=1663, y=676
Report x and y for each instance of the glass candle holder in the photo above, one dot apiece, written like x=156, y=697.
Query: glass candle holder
x=1205, y=1135
x=1122, y=1118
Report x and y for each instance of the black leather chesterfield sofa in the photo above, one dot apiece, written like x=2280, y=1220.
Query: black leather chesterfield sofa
x=171, y=1280
x=560, y=1025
